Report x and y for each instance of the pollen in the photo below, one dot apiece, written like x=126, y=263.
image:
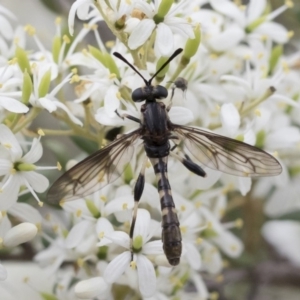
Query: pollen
x=125, y=206
x=260, y=55
x=75, y=78
x=198, y=204
x=189, y=20
x=220, y=278
x=58, y=21
x=214, y=296
x=182, y=208
x=183, y=229
x=58, y=166
x=199, y=241
x=112, y=76
x=74, y=71
x=289, y=3
x=16, y=41
x=257, y=113
x=101, y=235
x=39, y=227
x=78, y=213
x=13, y=61
x=233, y=248
x=80, y=262
x=103, y=198
x=26, y=279
x=136, y=13
x=128, y=2
x=55, y=228
x=66, y=39
x=85, y=52
x=101, y=176
x=239, y=223
x=290, y=34
x=285, y=67
x=110, y=44
x=48, y=217
x=275, y=153
x=133, y=265
x=7, y=145
x=30, y=30
x=41, y=132
x=94, y=27
x=41, y=204
x=13, y=171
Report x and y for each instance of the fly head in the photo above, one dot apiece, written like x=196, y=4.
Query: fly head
x=149, y=93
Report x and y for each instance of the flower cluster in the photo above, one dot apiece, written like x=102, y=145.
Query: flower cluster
x=240, y=85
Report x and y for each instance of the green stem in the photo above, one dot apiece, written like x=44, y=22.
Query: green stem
x=58, y=132
x=29, y=118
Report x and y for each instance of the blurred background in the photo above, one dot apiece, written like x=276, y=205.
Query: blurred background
x=260, y=273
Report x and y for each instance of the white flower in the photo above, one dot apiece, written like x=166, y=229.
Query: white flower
x=19, y=234
x=9, y=85
x=91, y=288
x=285, y=237
x=164, y=42
x=19, y=170
x=146, y=273
x=49, y=102
x=3, y=273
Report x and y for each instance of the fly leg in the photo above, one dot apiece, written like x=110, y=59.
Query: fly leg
x=132, y=118
x=189, y=164
x=138, y=191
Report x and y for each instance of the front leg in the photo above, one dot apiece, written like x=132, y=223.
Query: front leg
x=132, y=118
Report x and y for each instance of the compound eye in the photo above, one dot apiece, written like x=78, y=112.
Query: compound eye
x=138, y=95
x=160, y=92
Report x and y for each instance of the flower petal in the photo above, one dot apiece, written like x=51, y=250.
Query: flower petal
x=13, y=105
x=90, y=288
x=164, y=42
x=3, y=273
x=146, y=276
x=35, y=152
x=38, y=181
x=117, y=267
x=141, y=33
x=230, y=118
x=77, y=233
x=9, y=141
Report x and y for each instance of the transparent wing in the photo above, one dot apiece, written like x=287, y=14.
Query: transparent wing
x=227, y=155
x=96, y=171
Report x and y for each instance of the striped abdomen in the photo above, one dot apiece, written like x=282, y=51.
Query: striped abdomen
x=171, y=235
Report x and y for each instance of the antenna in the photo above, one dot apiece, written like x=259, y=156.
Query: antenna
x=118, y=55
x=178, y=51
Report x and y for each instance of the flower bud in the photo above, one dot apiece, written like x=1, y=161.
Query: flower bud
x=20, y=234
x=90, y=288
x=26, y=88
x=137, y=243
x=56, y=45
x=44, y=84
x=163, y=9
x=192, y=45
x=23, y=61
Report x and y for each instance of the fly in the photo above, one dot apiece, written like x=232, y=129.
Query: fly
x=156, y=130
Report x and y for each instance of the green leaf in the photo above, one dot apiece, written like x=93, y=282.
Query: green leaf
x=85, y=145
